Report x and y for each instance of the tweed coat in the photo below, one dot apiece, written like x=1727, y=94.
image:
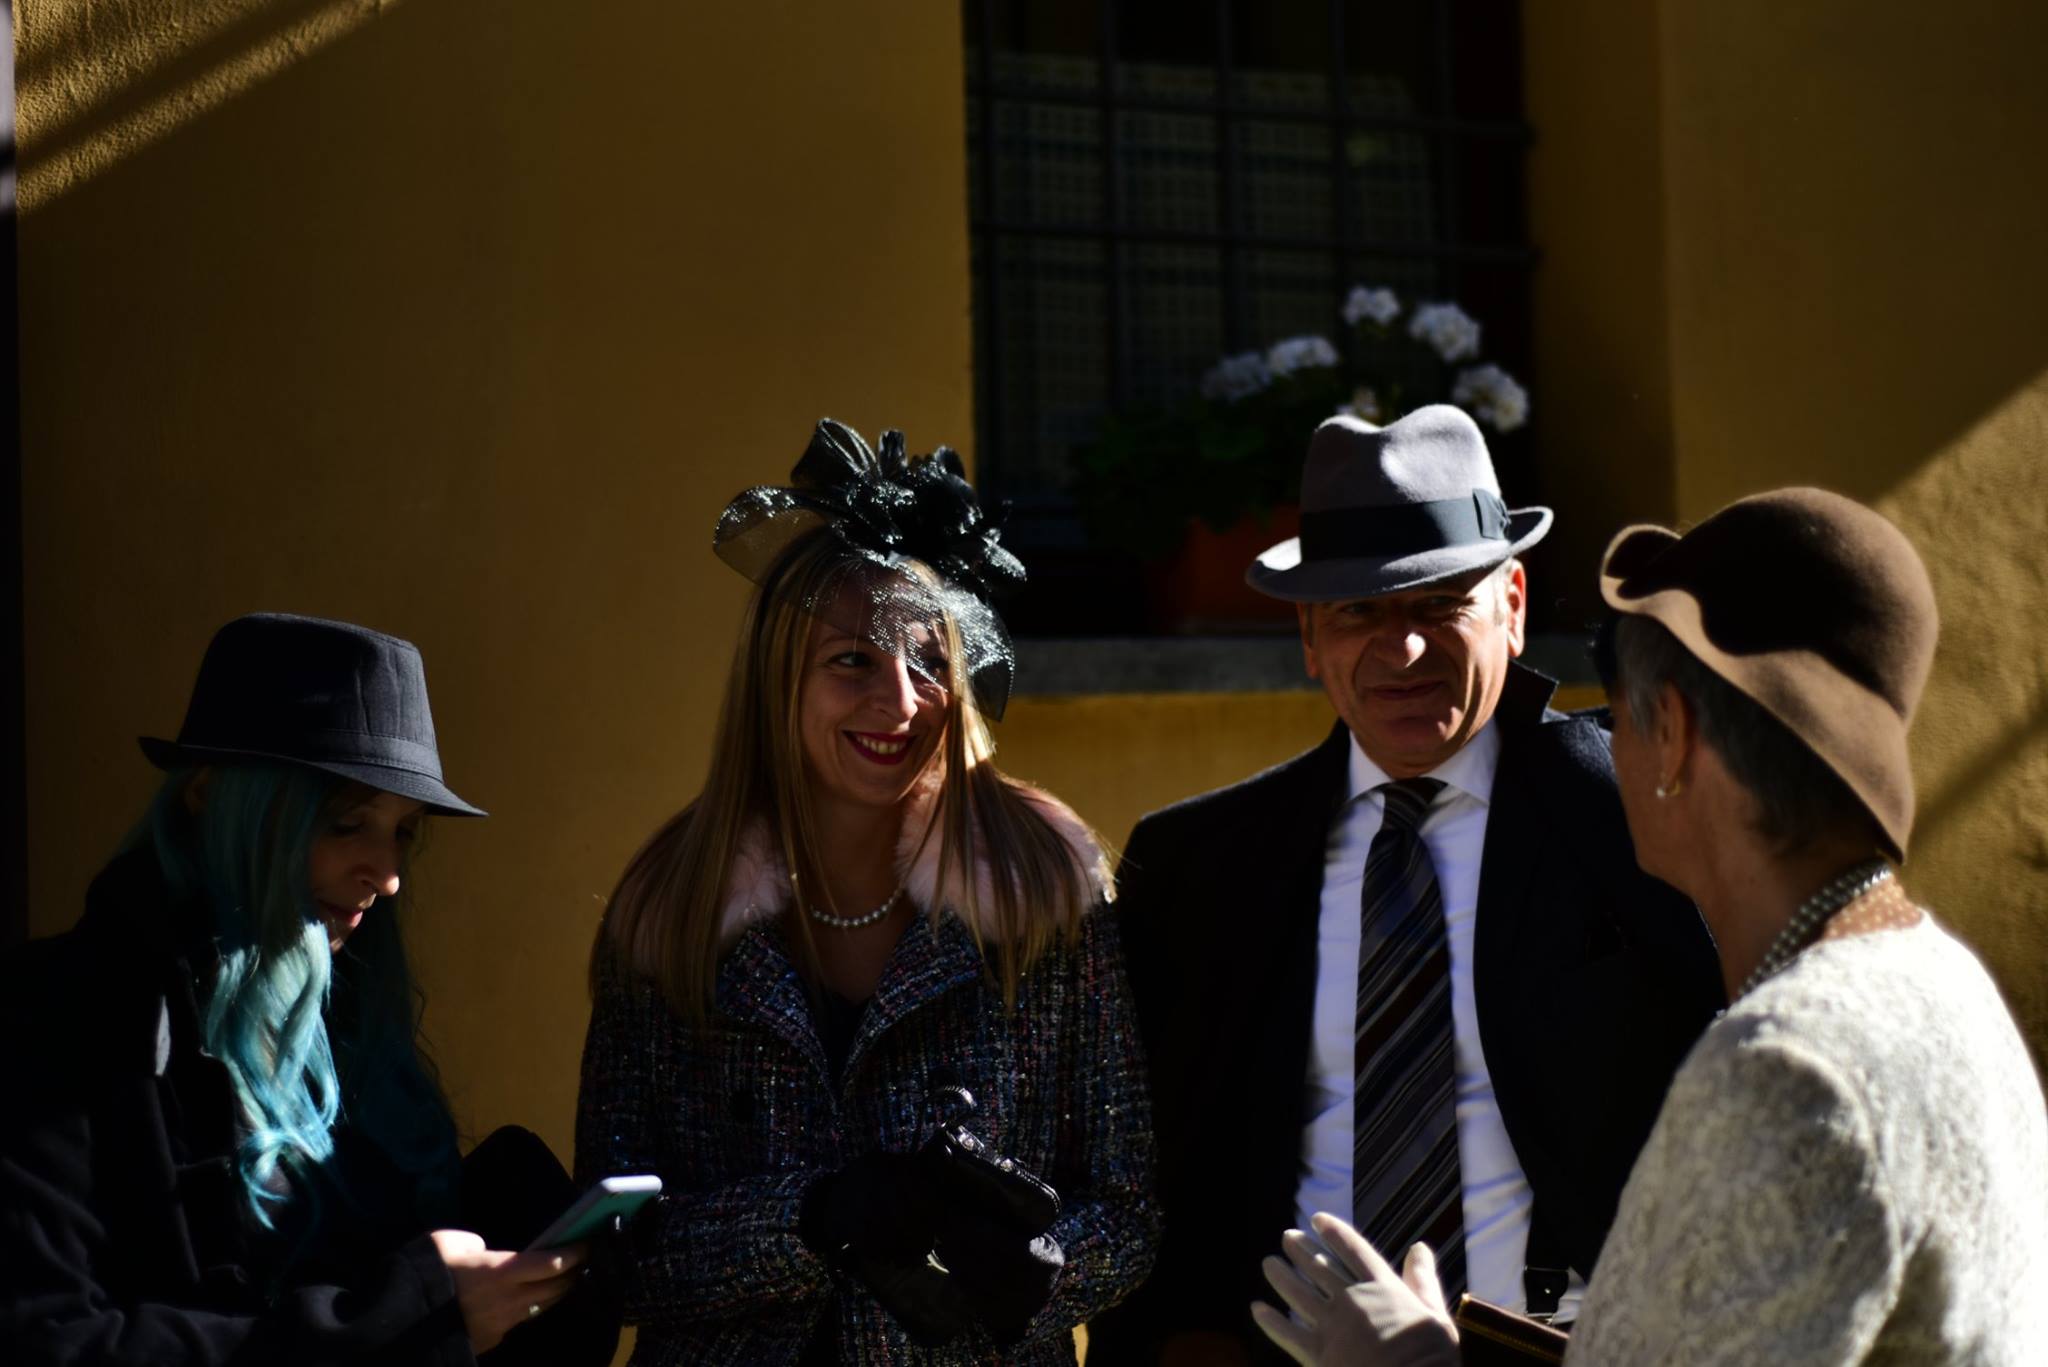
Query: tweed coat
x=739, y=1119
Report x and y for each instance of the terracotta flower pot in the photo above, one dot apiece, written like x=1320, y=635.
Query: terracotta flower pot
x=1200, y=588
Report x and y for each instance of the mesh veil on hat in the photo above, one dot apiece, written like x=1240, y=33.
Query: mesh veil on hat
x=1813, y=606
x=921, y=546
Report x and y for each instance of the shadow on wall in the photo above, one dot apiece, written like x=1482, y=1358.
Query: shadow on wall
x=1980, y=844
x=1978, y=510
x=1967, y=779
x=129, y=81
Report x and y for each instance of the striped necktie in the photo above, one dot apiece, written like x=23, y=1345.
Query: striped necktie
x=1404, y=1157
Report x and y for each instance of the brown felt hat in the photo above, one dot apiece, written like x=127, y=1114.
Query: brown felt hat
x=1812, y=605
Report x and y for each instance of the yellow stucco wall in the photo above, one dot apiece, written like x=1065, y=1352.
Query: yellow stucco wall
x=1857, y=283
x=463, y=320
x=1602, y=381
x=1117, y=757
x=1848, y=279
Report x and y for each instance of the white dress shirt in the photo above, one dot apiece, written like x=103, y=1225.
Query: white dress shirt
x=1497, y=1197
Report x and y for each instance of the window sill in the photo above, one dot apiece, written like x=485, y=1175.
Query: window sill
x=1071, y=666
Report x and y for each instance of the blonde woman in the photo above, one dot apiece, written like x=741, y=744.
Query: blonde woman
x=860, y=934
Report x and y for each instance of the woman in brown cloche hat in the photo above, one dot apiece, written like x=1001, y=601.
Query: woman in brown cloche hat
x=1852, y=1164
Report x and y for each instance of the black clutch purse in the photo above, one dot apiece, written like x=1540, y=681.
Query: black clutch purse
x=968, y=1173
x=990, y=1228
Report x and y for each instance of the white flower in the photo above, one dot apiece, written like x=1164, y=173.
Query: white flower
x=1452, y=331
x=1491, y=395
x=1362, y=303
x=1364, y=404
x=1300, y=353
x=1236, y=377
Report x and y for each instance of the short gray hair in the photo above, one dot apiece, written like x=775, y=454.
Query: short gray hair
x=1799, y=799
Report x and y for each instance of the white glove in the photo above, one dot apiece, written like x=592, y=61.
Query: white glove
x=1351, y=1309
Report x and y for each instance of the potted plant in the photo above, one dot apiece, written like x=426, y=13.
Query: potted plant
x=1197, y=488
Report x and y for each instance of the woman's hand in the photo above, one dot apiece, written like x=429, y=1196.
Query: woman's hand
x=1350, y=1307
x=874, y=1219
x=500, y=1290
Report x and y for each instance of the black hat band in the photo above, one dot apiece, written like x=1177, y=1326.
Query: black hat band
x=1402, y=529
x=327, y=747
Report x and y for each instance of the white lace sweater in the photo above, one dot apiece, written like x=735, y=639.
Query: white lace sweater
x=1851, y=1167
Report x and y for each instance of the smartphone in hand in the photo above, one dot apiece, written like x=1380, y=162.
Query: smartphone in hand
x=594, y=1209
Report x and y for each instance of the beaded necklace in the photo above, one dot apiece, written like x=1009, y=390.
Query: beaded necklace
x=1805, y=925
x=826, y=918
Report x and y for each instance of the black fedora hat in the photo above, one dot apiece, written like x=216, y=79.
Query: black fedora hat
x=331, y=696
x=1390, y=508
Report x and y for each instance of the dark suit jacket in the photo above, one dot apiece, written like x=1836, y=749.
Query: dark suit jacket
x=1591, y=981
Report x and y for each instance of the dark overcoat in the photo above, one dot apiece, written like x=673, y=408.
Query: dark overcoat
x=1591, y=980
x=124, y=1232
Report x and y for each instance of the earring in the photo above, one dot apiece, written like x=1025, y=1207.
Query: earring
x=1672, y=789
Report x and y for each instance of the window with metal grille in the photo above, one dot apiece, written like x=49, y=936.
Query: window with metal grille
x=1155, y=185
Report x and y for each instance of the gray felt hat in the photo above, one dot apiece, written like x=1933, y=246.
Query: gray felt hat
x=1390, y=508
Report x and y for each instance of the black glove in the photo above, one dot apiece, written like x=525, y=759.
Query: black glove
x=1005, y=1277
x=875, y=1219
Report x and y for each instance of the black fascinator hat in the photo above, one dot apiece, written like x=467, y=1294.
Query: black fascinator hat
x=893, y=513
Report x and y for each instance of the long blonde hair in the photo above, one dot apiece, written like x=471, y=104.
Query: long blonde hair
x=663, y=923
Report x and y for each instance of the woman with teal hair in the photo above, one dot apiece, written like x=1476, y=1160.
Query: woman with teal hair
x=220, y=1140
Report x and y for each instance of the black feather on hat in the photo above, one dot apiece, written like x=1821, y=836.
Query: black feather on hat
x=891, y=508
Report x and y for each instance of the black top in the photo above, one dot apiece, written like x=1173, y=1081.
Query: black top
x=838, y=1021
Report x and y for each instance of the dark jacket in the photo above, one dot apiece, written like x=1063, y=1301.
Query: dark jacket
x=124, y=1232
x=740, y=1119
x=1591, y=981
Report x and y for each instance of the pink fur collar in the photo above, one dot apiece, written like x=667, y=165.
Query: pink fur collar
x=758, y=887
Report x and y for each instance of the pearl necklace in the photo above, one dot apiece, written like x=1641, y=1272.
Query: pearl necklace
x=826, y=918
x=1806, y=922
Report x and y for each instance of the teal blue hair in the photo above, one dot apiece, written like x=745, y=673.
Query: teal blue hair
x=310, y=1039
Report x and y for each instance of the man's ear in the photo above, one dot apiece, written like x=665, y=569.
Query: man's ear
x=1304, y=616
x=1514, y=593
x=195, y=789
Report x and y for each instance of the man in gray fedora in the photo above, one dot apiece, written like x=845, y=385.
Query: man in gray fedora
x=1414, y=975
